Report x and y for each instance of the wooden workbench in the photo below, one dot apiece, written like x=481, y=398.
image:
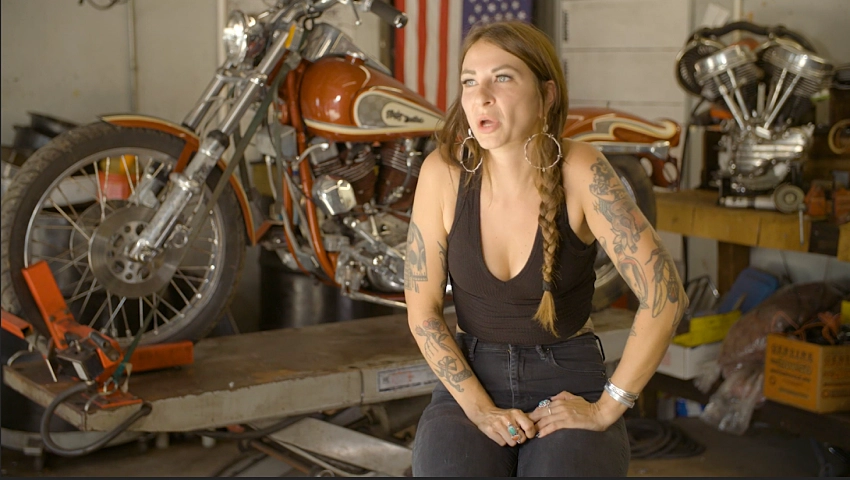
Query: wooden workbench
x=696, y=213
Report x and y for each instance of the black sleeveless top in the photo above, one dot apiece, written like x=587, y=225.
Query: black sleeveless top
x=503, y=312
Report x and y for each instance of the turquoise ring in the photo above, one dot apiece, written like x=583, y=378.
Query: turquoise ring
x=544, y=403
x=512, y=431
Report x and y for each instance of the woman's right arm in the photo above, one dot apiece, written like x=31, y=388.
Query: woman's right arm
x=425, y=277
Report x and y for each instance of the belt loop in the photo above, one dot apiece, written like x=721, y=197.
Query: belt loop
x=472, y=348
x=601, y=350
x=540, y=352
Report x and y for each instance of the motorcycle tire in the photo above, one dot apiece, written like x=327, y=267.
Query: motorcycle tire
x=33, y=222
x=610, y=286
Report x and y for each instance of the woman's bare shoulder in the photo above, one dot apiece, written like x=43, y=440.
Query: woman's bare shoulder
x=438, y=175
x=579, y=161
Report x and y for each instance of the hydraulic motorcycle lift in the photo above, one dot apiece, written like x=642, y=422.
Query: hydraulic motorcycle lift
x=251, y=378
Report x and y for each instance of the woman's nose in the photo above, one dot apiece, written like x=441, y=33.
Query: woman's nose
x=483, y=95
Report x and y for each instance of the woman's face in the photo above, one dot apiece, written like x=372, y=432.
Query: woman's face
x=499, y=97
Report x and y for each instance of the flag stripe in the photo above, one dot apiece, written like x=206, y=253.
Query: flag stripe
x=432, y=55
x=454, y=39
x=411, y=58
x=422, y=28
x=444, y=55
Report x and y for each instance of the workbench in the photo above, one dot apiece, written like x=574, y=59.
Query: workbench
x=272, y=374
x=695, y=213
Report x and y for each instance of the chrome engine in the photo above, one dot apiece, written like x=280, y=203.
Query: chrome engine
x=766, y=90
x=366, y=193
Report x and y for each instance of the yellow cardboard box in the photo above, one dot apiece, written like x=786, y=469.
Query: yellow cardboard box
x=807, y=375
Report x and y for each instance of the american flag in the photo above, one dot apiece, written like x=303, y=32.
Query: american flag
x=427, y=49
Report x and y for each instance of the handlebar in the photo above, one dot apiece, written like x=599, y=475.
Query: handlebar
x=388, y=13
x=779, y=31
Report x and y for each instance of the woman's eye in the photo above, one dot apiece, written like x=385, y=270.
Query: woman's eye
x=467, y=82
x=502, y=78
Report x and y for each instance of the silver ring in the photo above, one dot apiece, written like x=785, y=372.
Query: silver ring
x=550, y=409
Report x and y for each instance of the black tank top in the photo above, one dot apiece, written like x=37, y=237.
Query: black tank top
x=503, y=312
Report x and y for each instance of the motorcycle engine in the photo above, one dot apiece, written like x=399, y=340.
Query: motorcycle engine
x=368, y=226
x=766, y=90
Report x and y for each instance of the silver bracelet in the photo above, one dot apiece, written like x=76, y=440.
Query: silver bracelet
x=626, y=398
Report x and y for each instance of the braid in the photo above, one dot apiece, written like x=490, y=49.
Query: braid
x=551, y=191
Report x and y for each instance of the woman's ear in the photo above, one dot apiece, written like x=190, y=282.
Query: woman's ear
x=549, y=89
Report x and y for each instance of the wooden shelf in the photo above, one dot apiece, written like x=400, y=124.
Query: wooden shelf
x=696, y=213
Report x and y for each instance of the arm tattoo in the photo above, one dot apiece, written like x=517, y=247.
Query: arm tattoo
x=444, y=261
x=448, y=367
x=415, y=266
x=664, y=277
x=453, y=371
x=434, y=334
x=626, y=223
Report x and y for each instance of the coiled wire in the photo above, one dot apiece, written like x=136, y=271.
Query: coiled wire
x=649, y=438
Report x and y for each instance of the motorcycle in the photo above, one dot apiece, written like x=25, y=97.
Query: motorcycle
x=144, y=222
x=765, y=86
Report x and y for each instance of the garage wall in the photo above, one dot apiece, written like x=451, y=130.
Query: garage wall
x=63, y=59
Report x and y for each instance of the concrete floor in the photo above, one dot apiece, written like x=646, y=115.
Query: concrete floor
x=762, y=452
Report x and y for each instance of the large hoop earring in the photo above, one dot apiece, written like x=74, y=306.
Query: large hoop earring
x=462, y=146
x=551, y=137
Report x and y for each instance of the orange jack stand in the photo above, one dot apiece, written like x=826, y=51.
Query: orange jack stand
x=93, y=355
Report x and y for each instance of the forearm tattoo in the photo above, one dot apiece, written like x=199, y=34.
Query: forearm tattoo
x=415, y=265
x=627, y=225
x=440, y=354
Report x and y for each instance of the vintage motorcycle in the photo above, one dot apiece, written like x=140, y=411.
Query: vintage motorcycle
x=144, y=223
x=766, y=86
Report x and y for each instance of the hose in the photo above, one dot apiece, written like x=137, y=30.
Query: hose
x=650, y=438
x=75, y=452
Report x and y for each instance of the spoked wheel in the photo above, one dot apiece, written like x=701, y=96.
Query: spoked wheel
x=73, y=205
x=609, y=285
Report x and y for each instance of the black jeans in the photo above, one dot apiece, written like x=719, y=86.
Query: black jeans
x=447, y=443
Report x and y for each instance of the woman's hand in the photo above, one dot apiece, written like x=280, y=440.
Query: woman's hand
x=505, y=427
x=566, y=410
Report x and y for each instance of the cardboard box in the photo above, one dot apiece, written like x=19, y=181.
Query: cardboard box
x=686, y=363
x=807, y=375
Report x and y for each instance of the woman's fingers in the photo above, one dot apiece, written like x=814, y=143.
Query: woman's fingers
x=563, y=396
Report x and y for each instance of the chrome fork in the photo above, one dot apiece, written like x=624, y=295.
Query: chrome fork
x=188, y=183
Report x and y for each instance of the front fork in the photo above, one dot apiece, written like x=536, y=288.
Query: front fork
x=189, y=182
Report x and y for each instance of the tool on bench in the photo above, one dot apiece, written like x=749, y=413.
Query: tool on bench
x=88, y=355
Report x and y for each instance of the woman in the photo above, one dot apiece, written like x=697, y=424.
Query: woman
x=513, y=215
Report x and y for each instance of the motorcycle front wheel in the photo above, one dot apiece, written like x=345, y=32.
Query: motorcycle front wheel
x=71, y=205
x=609, y=285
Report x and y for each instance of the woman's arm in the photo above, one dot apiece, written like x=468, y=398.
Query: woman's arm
x=642, y=260
x=425, y=276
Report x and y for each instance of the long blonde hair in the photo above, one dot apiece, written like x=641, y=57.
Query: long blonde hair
x=533, y=47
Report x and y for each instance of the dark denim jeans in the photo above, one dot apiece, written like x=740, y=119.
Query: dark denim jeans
x=448, y=444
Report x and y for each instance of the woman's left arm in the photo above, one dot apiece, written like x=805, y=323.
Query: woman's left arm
x=644, y=263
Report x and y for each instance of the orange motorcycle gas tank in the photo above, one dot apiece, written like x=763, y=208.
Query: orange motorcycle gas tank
x=609, y=125
x=344, y=100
